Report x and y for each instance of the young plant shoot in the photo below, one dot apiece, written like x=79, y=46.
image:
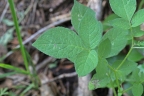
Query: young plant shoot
x=89, y=50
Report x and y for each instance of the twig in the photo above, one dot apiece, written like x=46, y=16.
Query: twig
x=59, y=77
x=34, y=10
x=4, y=12
x=42, y=64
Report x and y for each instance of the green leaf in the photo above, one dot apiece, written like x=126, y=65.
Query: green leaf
x=113, y=59
x=3, y=91
x=123, y=8
x=7, y=74
x=88, y=28
x=28, y=88
x=60, y=43
x=104, y=48
x=126, y=68
x=7, y=37
x=109, y=18
x=6, y=66
x=116, y=75
x=102, y=67
x=137, y=89
x=137, y=32
x=8, y=22
x=140, y=43
x=138, y=18
x=137, y=75
x=91, y=85
x=135, y=56
x=77, y=13
x=106, y=23
x=120, y=23
x=122, y=71
x=118, y=40
x=127, y=85
x=98, y=82
x=141, y=70
x=100, y=79
x=86, y=62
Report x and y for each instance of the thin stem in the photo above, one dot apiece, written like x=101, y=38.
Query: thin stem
x=117, y=81
x=111, y=68
x=115, y=94
x=127, y=53
x=138, y=47
x=124, y=58
x=127, y=89
x=13, y=12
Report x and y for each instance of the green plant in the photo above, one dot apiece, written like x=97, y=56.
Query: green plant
x=3, y=92
x=89, y=50
x=26, y=57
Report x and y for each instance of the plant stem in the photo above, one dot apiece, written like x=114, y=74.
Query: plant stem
x=111, y=68
x=125, y=58
x=127, y=89
x=117, y=81
x=13, y=12
x=138, y=47
x=127, y=53
x=115, y=94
